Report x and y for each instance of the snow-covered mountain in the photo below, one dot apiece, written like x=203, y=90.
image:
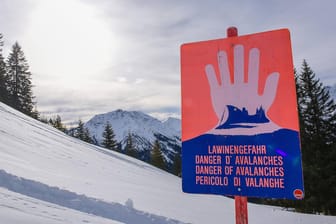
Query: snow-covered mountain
x=174, y=124
x=47, y=177
x=144, y=130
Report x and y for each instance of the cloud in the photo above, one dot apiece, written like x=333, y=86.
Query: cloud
x=13, y=20
x=130, y=57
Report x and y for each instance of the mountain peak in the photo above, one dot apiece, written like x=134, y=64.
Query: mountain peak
x=144, y=128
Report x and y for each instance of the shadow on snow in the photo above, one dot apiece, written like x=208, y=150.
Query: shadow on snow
x=115, y=211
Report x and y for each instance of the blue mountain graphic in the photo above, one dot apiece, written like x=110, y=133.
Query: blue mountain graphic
x=237, y=116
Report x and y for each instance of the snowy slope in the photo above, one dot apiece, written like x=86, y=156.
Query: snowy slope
x=17, y=208
x=48, y=177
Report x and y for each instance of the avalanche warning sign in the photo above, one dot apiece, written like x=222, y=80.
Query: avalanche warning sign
x=240, y=133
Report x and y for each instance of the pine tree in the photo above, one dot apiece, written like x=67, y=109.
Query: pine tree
x=57, y=123
x=318, y=140
x=35, y=114
x=87, y=136
x=156, y=158
x=109, y=141
x=129, y=148
x=4, y=96
x=80, y=130
x=19, y=78
x=177, y=165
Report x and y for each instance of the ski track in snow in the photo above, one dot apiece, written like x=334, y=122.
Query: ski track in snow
x=20, y=209
x=31, y=204
x=115, y=211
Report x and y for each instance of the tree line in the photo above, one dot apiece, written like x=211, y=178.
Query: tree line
x=156, y=157
x=317, y=116
x=109, y=141
x=317, y=112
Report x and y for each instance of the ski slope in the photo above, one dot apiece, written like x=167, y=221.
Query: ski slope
x=48, y=177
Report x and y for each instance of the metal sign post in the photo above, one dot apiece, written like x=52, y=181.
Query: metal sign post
x=241, y=210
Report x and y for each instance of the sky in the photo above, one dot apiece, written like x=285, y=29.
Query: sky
x=94, y=56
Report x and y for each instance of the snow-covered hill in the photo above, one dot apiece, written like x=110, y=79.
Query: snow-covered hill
x=144, y=130
x=47, y=177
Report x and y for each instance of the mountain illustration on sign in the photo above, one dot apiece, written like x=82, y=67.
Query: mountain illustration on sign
x=239, y=118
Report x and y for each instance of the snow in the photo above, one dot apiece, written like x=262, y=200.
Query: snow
x=18, y=208
x=173, y=124
x=48, y=177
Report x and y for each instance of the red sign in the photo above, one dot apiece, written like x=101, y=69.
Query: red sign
x=240, y=133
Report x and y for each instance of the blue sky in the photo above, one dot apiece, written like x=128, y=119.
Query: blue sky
x=95, y=56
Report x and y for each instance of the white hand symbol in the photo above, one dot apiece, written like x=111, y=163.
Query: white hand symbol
x=239, y=94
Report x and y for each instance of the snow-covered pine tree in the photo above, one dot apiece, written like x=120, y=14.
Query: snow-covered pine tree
x=109, y=141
